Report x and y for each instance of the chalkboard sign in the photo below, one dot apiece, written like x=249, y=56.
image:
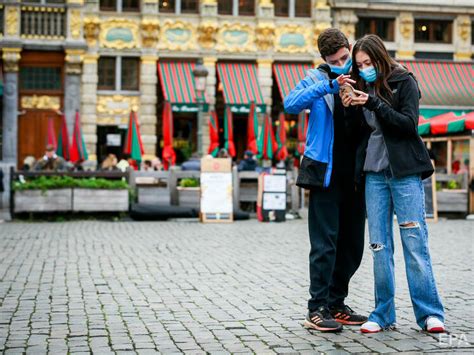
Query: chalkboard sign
x=271, y=200
x=431, y=205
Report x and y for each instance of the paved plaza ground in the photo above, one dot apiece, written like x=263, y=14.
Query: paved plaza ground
x=185, y=287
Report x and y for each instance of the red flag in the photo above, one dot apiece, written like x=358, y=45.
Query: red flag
x=133, y=143
x=282, y=153
x=78, y=150
x=229, y=132
x=64, y=149
x=302, y=130
x=214, y=134
x=51, y=134
x=267, y=144
x=252, y=129
x=168, y=155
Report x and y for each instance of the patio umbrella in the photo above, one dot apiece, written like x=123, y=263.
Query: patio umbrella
x=229, y=132
x=282, y=152
x=51, y=134
x=302, y=130
x=133, y=141
x=469, y=117
x=267, y=144
x=78, y=150
x=252, y=129
x=64, y=149
x=213, y=134
x=447, y=123
x=168, y=155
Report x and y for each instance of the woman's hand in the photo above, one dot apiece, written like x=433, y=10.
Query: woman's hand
x=344, y=79
x=360, y=99
x=346, y=99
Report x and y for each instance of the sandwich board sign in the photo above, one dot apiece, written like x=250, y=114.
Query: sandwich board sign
x=271, y=205
x=216, y=190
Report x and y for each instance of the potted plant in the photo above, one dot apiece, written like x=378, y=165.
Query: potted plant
x=189, y=192
x=100, y=195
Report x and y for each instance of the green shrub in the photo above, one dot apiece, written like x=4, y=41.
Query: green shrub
x=191, y=182
x=45, y=183
x=453, y=185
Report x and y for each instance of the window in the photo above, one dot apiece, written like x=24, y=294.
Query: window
x=236, y=7
x=120, y=5
x=189, y=6
x=40, y=78
x=434, y=31
x=118, y=74
x=472, y=31
x=167, y=6
x=302, y=8
x=224, y=7
x=246, y=7
x=382, y=27
x=434, y=55
x=282, y=8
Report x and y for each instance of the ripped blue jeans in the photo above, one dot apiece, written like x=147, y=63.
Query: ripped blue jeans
x=405, y=196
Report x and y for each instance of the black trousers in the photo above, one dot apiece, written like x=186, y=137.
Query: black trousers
x=336, y=220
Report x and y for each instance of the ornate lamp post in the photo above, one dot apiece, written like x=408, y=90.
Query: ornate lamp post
x=200, y=75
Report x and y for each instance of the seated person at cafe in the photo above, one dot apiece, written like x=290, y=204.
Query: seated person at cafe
x=248, y=163
x=193, y=164
x=50, y=161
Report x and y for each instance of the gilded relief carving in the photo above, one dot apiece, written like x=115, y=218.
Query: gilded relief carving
x=117, y=105
x=292, y=39
x=150, y=30
x=207, y=34
x=42, y=102
x=265, y=36
x=178, y=35
x=406, y=26
x=91, y=30
x=235, y=37
x=75, y=24
x=119, y=34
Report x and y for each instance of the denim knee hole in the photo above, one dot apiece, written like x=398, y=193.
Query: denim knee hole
x=410, y=225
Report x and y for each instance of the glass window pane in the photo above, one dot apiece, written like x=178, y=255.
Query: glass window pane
x=246, y=7
x=130, y=5
x=167, y=5
x=55, y=1
x=129, y=74
x=436, y=31
x=281, y=7
x=106, y=72
x=224, y=7
x=382, y=27
x=303, y=8
x=108, y=5
x=190, y=6
x=40, y=78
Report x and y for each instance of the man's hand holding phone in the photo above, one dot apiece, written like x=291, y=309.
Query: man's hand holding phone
x=360, y=98
x=347, y=94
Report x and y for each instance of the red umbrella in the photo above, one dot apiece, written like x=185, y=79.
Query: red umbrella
x=78, y=150
x=51, y=134
x=168, y=155
x=214, y=134
x=282, y=153
x=267, y=144
x=252, y=129
x=302, y=130
x=469, y=120
x=133, y=143
x=64, y=149
x=229, y=132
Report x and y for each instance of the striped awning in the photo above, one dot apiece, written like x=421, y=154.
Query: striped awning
x=178, y=85
x=288, y=75
x=240, y=86
x=443, y=83
x=446, y=123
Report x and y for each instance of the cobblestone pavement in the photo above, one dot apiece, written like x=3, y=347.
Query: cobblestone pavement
x=126, y=287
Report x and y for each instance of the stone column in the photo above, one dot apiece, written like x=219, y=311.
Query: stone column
x=210, y=64
x=147, y=117
x=72, y=92
x=89, y=103
x=346, y=21
x=265, y=80
x=405, y=36
x=321, y=20
x=462, y=38
x=11, y=57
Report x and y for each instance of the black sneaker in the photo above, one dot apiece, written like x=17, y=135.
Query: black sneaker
x=345, y=315
x=322, y=320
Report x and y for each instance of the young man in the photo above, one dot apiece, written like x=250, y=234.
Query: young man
x=336, y=215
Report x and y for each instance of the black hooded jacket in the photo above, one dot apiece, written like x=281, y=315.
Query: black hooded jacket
x=407, y=153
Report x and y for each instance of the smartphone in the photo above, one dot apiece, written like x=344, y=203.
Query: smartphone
x=347, y=89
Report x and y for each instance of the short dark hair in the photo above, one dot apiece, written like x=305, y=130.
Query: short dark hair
x=330, y=41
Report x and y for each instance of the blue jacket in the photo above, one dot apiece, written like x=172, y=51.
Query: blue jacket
x=315, y=93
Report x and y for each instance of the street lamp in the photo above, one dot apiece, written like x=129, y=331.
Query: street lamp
x=200, y=78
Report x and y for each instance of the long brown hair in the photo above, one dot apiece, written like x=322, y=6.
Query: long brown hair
x=382, y=62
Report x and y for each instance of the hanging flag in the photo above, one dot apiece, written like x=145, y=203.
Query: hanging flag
x=64, y=149
x=302, y=130
x=78, y=150
x=267, y=144
x=51, y=134
x=168, y=155
x=282, y=152
x=252, y=129
x=133, y=143
x=214, y=134
x=229, y=132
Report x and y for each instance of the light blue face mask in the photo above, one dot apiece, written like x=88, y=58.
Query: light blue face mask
x=342, y=70
x=369, y=74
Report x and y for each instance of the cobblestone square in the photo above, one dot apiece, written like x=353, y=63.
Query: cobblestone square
x=184, y=287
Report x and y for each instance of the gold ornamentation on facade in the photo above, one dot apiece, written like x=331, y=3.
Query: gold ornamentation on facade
x=75, y=23
x=265, y=36
x=348, y=29
x=235, y=38
x=90, y=58
x=406, y=26
x=322, y=4
x=463, y=56
x=11, y=57
x=119, y=33
x=150, y=30
x=207, y=34
x=149, y=59
x=317, y=30
x=117, y=105
x=464, y=29
x=178, y=36
x=76, y=2
x=91, y=30
x=11, y=21
x=42, y=9
x=209, y=2
x=264, y=62
x=405, y=54
x=74, y=59
x=293, y=39
x=41, y=102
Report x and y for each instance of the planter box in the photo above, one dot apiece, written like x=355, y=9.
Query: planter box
x=189, y=197
x=152, y=195
x=452, y=200
x=100, y=200
x=59, y=200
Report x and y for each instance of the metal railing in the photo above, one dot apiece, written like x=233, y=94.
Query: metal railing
x=48, y=22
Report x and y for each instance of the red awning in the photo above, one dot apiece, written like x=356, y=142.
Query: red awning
x=288, y=75
x=469, y=123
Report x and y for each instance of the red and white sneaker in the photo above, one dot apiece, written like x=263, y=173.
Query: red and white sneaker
x=370, y=327
x=434, y=325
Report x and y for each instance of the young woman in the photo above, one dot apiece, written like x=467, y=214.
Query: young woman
x=394, y=161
